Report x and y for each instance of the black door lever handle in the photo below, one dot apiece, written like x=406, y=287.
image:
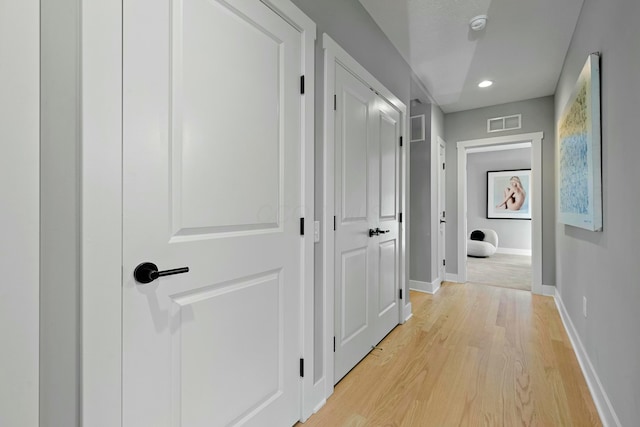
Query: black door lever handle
x=381, y=231
x=373, y=232
x=147, y=272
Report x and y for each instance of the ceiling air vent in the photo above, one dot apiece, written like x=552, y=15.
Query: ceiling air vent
x=499, y=124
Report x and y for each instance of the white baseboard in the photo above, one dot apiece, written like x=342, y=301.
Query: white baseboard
x=451, y=278
x=513, y=251
x=407, y=312
x=319, y=406
x=427, y=287
x=599, y=395
x=548, y=290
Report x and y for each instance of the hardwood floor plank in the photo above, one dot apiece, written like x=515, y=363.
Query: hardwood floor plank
x=471, y=355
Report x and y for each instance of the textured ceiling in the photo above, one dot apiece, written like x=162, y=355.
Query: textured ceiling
x=522, y=49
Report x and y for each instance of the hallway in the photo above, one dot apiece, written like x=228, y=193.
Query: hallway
x=470, y=355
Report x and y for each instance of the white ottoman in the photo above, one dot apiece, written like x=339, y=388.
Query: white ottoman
x=484, y=248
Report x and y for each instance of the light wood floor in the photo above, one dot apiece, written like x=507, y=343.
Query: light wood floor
x=505, y=270
x=470, y=356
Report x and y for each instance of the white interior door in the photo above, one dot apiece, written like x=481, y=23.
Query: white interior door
x=442, y=211
x=386, y=306
x=366, y=206
x=212, y=180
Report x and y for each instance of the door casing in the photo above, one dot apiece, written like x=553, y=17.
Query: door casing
x=501, y=142
x=101, y=211
x=334, y=53
x=442, y=194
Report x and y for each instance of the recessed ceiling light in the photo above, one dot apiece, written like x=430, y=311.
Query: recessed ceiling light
x=485, y=83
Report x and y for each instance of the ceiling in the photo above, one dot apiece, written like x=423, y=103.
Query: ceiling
x=522, y=49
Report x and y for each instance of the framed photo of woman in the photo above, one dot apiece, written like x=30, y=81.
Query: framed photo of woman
x=509, y=194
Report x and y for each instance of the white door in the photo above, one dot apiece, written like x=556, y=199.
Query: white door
x=442, y=217
x=212, y=182
x=387, y=167
x=366, y=206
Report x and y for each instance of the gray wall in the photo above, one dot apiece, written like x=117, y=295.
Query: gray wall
x=60, y=209
x=420, y=210
x=537, y=115
x=512, y=233
x=349, y=24
x=604, y=266
x=424, y=196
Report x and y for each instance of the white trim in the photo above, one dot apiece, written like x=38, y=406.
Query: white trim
x=361, y=73
x=514, y=251
x=451, y=278
x=334, y=53
x=419, y=286
x=312, y=393
x=548, y=290
x=101, y=213
x=436, y=178
x=407, y=313
x=486, y=148
x=328, y=248
x=603, y=404
x=101, y=260
x=536, y=195
x=426, y=287
x=20, y=244
x=422, y=128
x=319, y=405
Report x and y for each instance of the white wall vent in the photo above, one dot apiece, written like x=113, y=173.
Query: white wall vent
x=417, y=128
x=499, y=124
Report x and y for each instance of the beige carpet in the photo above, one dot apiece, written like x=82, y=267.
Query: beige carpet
x=507, y=271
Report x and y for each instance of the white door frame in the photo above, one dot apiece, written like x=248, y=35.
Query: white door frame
x=101, y=195
x=435, y=245
x=20, y=189
x=503, y=142
x=333, y=54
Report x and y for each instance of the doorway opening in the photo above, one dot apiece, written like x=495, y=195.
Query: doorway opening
x=499, y=215
x=518, y=265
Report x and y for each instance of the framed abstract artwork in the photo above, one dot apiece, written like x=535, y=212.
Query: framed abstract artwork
x=509, y=194
x=579, y=164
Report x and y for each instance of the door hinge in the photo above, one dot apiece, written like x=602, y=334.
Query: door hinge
x=400, y=219
x=334, y=223
x=334, y=344
x=443, y=214
x=301, y=85
x=400, y=293
x=335, y=102
x=400, y=141
x=443, y=166
x=444, y=262
x=302, y=368
x=302, y=226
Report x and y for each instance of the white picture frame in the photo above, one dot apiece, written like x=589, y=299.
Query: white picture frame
x=509, y=194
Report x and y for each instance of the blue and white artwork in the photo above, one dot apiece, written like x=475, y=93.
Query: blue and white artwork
x=579, y=176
